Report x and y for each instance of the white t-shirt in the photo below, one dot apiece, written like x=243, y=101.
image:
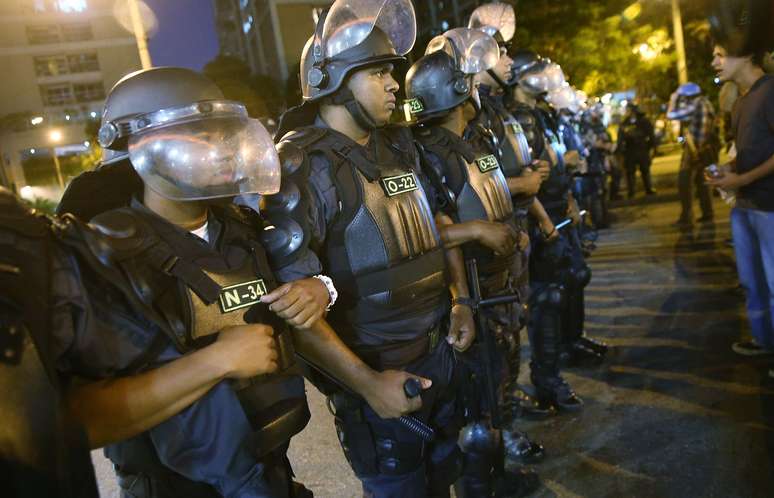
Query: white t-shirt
x=202, y=232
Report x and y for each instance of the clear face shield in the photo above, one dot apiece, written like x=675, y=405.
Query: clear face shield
x=204, y=151
x=554, y=76
x=563, y=99
x=473, y=51
x=349, y=22
x=495, y=18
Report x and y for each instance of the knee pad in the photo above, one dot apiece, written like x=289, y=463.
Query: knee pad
x=550, y=296
x=578, y=278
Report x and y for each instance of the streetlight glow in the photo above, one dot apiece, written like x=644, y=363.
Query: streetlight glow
x=36, y=120
x=55, y=136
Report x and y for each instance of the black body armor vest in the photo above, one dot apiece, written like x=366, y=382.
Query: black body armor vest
x=500, y=131
x=192, y=295
x=42, y=451
x=475, y=186
x=545, y=143
x=382, y=250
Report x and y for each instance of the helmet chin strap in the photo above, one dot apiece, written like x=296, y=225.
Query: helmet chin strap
x=345, y=97
x=507, y=90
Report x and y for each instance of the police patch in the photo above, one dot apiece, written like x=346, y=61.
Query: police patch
x=399, y=184
x=516, y=128
x=414, y=106
x=487, y=163
x=241, y=295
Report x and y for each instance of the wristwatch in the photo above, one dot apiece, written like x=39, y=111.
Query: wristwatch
x=332, y=292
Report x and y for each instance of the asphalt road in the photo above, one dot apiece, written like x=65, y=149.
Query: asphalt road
x=672, y=413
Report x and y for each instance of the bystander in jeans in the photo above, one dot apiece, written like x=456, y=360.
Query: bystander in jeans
x=700, y=149
x=752, y=176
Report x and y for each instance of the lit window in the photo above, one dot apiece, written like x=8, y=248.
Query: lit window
x=76, y=32
x=71, y=5
x=51, y=65
x=58, y=94
x=41, y=34
x=89, y=92
x=83, y=63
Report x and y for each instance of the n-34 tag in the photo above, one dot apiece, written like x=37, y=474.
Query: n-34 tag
x=241, y=295
x=399, y=184
x=487, y=163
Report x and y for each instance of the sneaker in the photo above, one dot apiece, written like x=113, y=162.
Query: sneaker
x=749, y=348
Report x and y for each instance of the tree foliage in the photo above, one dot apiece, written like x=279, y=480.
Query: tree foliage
x=596, y=43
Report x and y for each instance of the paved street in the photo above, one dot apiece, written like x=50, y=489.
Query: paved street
x=672, y=413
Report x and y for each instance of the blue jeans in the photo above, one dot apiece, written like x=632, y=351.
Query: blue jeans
x=753, y=232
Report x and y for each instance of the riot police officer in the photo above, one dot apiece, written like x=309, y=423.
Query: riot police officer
x=443, y=100
x=355, y=195
x=195, y=267
x=43, y=451
x=549, y=261
x=636, y=139
x=494, y=127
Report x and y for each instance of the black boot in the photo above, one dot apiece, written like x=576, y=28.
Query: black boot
x=522, y=405
x=595, y=345
x=553, y=390
x=578, y=354
x=520, y=450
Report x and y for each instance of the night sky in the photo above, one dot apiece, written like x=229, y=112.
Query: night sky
x=186, y=35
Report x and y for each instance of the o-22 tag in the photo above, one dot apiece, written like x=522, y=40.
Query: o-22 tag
x=241, y=295
x=487, y=163
x=399, y=184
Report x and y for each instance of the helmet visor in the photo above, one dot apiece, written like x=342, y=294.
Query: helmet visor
x=562, y=98
x=493, y=18
x=349, y=22
x=555, y=76
x=473, y=50
x=207, y=158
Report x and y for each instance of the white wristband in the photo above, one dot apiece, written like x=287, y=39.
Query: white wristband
x=333, y=294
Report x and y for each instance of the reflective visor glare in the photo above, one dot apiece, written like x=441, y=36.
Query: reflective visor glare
x=207, y=158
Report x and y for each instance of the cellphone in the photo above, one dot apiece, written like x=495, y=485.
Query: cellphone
x=713, y=171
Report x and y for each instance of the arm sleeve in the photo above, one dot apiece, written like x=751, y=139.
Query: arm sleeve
x=95, y=334
x=207, y=442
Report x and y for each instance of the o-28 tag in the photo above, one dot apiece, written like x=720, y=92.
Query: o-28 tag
x=241, y=295
x=399, y=184
x=487, y=163
x=516, y=128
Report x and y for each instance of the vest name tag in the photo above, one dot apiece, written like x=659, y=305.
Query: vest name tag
x=399, y=184
x=487, y=163
x=241, y=295
x=516, y=128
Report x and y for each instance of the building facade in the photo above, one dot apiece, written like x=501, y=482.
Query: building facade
x=269, y=35
x=59, y=58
